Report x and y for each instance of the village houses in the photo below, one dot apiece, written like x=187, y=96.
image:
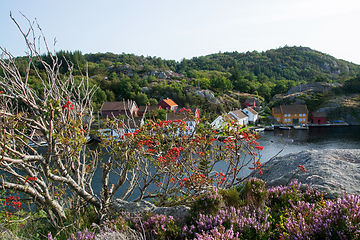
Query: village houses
x=253, y=103
x=237, y=116
x=318, y=118
x=291, y=114
x=146, y=109
x=252, y=114
x=168, y=104
x=113, y=109
x=190, y=116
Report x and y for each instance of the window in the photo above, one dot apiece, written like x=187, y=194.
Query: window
x=289, y=120
x=285, y=120
x=278, y=119
x=304, y=120
x=289, y=115
x=295, y=114
x=300, y=119
x=300, y=115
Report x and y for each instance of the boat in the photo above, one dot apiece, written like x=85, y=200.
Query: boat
x=301, y=127
x=269, y=128
x=259, y=129
x=285, y=127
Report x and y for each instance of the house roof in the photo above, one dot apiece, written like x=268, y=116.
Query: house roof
x=149, y=108
x=239, y=114
x=277, y=110
x=294, y=109
x=112, y=106
x=252, y=111
x=318, y=114
x=250, y=100
x=169, y=102
x=229, y=116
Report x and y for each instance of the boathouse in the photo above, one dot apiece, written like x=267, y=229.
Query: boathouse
x=318, y=118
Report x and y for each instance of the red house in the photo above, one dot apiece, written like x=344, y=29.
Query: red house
x=252, y=103
x=114, y=109
x=168, y=104
x=318, y=118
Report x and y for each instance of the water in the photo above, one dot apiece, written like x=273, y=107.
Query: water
x=319, y=138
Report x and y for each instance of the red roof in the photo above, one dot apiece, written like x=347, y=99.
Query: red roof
x=170, y=102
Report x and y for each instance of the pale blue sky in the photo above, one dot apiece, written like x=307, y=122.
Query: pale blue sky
x=185, y=29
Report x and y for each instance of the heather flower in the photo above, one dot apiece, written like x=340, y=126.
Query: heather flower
x=245, y=222
x=218, y=233
x=334, y=219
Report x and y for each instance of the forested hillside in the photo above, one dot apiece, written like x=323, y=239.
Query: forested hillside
x=291, y=63
x=150, y=79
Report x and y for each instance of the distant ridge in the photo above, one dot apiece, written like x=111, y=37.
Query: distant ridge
x=291, y=63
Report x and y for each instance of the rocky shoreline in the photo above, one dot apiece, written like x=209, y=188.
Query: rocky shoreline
x=333, y=171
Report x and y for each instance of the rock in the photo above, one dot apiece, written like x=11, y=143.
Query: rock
x=162, y=75
x=350, y=119
x=140, y=206
x=154, y=73
x=209, y=95
x=298, y=101
x=178, y=212
x=315, y=87
x=334, y=171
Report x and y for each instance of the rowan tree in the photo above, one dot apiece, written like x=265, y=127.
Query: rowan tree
x=44, y=155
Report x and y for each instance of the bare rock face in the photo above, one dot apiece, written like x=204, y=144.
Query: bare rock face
x=315, y=87
x=333, y=171
x=209, y=95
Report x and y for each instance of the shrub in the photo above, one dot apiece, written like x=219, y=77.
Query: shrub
x=230, y=197
x=153, y=226
x=210, y=203
x=253, y=193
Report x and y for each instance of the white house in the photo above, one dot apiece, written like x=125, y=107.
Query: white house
x=236, y=116
x=189, y=116
x=252, y=114
x=129, y=125
x=241, y=118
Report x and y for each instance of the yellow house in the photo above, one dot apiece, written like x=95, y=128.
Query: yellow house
x=291, y=114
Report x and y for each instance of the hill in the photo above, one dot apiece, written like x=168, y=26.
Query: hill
x=290, y=63
x=150, y=79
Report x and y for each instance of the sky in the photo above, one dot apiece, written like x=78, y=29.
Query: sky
x=177, y=29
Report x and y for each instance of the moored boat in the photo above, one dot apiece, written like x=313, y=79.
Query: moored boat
x=285, y=127
x=269, y=128
x=259, y=129
x=301, y=127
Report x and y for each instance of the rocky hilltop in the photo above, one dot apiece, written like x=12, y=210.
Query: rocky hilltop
x=334, y=171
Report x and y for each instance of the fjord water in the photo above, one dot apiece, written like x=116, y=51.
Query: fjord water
x=318, y=138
